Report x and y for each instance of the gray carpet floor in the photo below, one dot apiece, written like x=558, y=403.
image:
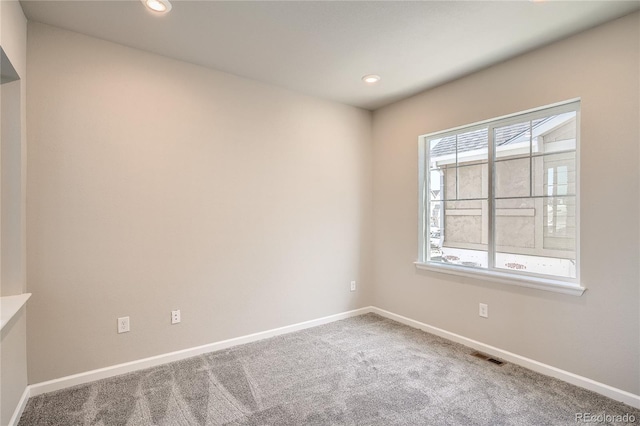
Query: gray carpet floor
x=365, y=370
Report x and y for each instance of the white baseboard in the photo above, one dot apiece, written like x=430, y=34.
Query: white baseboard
x=115, y=370
x=583, y=382
x=141, y=364
x=20, y=408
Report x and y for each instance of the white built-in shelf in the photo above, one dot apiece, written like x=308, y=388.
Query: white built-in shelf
x=10, y=305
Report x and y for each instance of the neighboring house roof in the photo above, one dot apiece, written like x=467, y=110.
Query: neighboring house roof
x=478, y=139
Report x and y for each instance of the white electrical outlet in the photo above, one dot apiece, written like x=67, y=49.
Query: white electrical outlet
x=484, y=310
x=123, y=325
x=353, y=286
x=175, y=316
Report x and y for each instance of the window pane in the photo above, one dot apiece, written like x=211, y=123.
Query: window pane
x=473, y=156
x=553, y=266
x=463, y=222
x=559, y=224
x=473, y=181
x=515, y=226
x=450, y=186
x=513, y=140
x=460, y=183
x=465, y=257
x=473, y=146
x=536, y=235
x=435, y=230
x=555, y=133
x=555, y=174
x=436, y=184
x=458, y=160
x=459, y=234
x=512, y=178
x=442, y=151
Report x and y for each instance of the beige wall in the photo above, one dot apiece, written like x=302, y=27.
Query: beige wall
x=13, y=359
x=156, y=185
x=595, y=335
x=13, y=39
x=12, y=265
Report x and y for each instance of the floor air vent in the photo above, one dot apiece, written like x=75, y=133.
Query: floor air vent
x=487, y=358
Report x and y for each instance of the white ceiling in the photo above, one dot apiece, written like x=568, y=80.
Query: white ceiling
x=323, y=48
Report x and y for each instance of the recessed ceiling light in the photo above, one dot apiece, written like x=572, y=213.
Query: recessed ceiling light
x=371, y=78
x=160, y=6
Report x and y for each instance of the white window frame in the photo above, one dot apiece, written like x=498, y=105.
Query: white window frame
x=570, y=286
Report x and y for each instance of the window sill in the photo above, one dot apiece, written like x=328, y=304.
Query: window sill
x=505, y=278
x=10, y=306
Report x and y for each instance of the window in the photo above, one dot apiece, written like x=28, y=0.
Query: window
x=499, y=199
